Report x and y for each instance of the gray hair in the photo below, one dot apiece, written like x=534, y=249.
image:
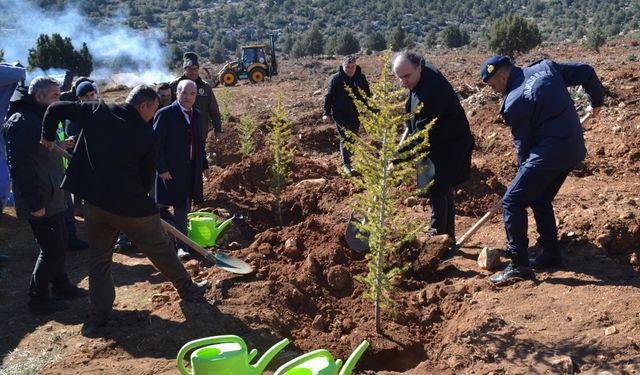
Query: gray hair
x=42, y=83
x=349, y=59
x=142, y=94
x=412, y=57
x=182, y=84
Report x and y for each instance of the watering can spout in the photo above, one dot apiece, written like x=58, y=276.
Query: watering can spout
x=350, y=363
x=268, y=355
x=220, y=227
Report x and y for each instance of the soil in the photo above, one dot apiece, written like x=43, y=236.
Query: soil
x=447, y=319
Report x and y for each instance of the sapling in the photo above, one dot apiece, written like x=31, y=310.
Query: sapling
x=246, y=130
x=225, y=103
x=280, y=131
x=383, y=117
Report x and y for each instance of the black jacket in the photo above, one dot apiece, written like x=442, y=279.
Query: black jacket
x=174, y=150
x=35, y=171
x=113, y=165
x=337, y=101
x=451, y=142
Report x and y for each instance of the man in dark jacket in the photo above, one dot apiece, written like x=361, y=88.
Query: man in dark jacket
x=36, y=175
x=548, y=137
x=181, y=157
x=339, y=106
x=113, y=169
x=206, y=101
x=450, y=139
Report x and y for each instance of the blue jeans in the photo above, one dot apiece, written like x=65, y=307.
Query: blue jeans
x=344, y=139
x=535, y=188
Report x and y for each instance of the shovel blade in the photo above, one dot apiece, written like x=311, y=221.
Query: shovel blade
x=355, y=238
x=232, y=264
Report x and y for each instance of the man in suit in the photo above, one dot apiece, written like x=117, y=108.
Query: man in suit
x=181, y=157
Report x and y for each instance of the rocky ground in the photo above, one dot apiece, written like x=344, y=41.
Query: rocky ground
x=448, y=319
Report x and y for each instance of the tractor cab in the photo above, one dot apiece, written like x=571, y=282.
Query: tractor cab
x=253, y=65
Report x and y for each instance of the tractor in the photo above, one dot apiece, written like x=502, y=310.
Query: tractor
x=253, y=65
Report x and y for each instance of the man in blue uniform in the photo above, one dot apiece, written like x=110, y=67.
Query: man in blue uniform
x=548, y=137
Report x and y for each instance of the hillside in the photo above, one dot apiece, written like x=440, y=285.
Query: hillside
x=449, y=319
x=214, y=29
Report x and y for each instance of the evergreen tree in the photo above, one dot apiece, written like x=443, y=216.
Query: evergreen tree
x=314, y=41
x=246, y=133
x=513, y=34
x=347, y=43
x=375, y=42
x=280, y=131
x=58, y=52
x=378, y=197
x=398, y=39
x=454, y=37
x=596, y=39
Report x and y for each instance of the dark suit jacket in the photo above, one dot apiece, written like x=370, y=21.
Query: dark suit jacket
x=174, y=156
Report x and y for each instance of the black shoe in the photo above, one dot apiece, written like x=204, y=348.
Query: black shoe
x=183, y=254
x=46, y=306
x=94, y=327
x=123, y=246
x=511, y=274
x=77, y=244
x=195, y=291
x=546, y=261
x=68, y=291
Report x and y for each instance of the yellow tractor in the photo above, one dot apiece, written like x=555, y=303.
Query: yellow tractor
x=253, y=65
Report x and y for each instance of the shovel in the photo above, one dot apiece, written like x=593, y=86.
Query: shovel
x=221, y=260
x=356, y=239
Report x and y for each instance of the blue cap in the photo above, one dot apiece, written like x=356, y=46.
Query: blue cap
x=84, y=88
x=491, y=66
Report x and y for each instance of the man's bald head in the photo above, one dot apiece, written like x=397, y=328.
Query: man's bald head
x=407, y=66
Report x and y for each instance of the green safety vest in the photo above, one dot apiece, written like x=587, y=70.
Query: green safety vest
x=61, y=138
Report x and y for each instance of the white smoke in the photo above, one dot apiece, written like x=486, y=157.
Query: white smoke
x=120, y=54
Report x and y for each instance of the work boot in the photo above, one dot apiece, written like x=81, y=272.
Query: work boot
x=123, y=244
x=46, y=305
x=195, y=291
x=546, y=260
x=511, y=274
x=76, y=244
x=95, y=326
x=68, y=291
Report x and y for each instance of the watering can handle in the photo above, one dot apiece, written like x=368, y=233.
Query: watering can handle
x=200, y=214
x=350, y=363
x=205, y=341
x=305, y=357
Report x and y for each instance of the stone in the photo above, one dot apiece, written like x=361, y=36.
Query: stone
x=317, y=92
x=265, y=249
x=311, y=182
x=339, y=278
x=292, y=248
x=489, y=259
x=439, y=244
x=411, y=201
x=627, y=215
x=603, y=240
x=610, y=331
x=633, y=259
x=319, y=323
x=563, y=364
x=160, y=298
x=193, y=265
x=312, y=265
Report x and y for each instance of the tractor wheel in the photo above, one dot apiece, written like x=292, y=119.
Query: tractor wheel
x=257, y=75
x=228, y=78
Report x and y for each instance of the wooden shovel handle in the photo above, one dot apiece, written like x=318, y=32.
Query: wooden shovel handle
x=179, y=235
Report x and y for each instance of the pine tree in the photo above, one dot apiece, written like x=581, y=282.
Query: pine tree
x=398, y=39
x=225, y=102
x=382, y=117
x=280, y=131
x=375, y=42
x=347, y=43
x=246, y=129
x=314, y=41
x=454, y=37
x=58, y=52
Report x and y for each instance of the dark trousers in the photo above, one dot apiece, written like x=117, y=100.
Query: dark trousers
x=180, y=219
x=535, y=188
x=443, y=212
x=50, y=234
x=150, y=238
x=344, y=139
x=69, y=216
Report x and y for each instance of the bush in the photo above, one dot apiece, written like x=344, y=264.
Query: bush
x=375, y=42
x=513, y=34
x=454, y=37
x=596, y=39
x=347, y=44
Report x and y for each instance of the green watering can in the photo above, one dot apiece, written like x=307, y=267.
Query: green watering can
x=204, y=228
x=225, y=355
x=321, y=362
